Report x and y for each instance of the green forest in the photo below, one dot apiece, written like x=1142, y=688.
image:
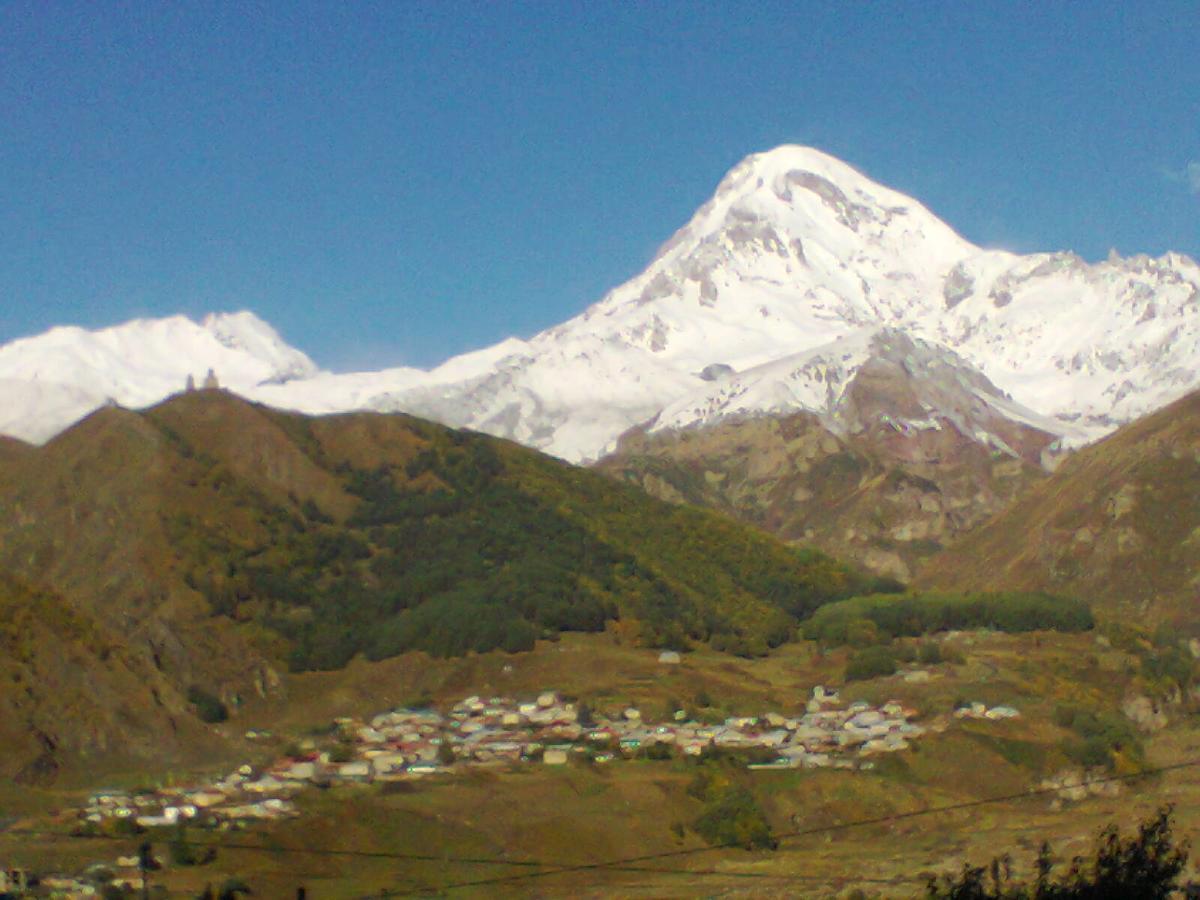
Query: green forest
x=474, y=544
x=887, y=616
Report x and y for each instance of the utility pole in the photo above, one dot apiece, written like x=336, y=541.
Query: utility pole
x=145, y=861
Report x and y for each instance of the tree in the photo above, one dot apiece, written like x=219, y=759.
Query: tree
x=184, y=854
x=1145, y=866
x=584, y=715
x=734, y=818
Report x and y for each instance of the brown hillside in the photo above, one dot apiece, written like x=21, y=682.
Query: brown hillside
x=83, y=520
x=882, y=498
x=1118, y=523
x=74, y=687
x=209, y=543
x=11, y=448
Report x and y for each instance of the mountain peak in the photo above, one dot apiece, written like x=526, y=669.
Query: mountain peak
x=796, y=251
x=797, y=157
x=245, y=332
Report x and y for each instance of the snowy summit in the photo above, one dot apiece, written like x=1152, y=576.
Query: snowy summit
x=797, y=257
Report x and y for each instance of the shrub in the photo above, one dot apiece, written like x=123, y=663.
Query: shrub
x=1167, y=668
x=871, y=662
x=952, y=654
x=1098, y=736
x=1092, y=752
x=182, y=852
x=584, y=715
x=904, y=652
x=208, y=706
x=862, y=633
x=929, y=654
x=1064, y=715
x=656, y=750
x=734, y=818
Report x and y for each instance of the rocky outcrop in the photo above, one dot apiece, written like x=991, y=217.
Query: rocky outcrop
x=886, y=499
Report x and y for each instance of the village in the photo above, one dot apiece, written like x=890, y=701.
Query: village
x=408, y=744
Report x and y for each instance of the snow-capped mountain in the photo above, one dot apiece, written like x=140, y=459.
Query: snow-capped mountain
x=796, y=257
x=51, y=380
x=937, y=389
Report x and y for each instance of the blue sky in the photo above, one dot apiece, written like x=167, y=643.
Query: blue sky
x=398, y=182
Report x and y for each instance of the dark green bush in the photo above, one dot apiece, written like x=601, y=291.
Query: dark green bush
x=208, y=706
x=904, y=652
x=1099, y=735
x=929, y=653
x=1168, y=667
x=734, y=818
x=656, y=750
x=183, y=853
x=871, y=662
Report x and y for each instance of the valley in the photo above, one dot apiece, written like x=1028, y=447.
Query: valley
x=582, y=811
x=827, y=554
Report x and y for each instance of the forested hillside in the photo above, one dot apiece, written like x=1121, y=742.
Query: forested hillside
x=194, y=551
x=395, y=534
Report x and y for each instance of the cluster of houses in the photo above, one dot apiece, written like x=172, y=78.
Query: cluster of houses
x=246, y=794
x=405, y=744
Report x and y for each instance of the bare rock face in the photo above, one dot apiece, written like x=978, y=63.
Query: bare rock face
x=715, y=371
x=907, y=447
x=877, y=496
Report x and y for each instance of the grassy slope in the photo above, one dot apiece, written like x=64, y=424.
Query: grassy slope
x=1118, y=525
x=488, y=517
x=627, y=809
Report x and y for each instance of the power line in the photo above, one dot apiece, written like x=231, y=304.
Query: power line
x=365, y=854
x=804, y=832
x=627, y=864
x=304, y=851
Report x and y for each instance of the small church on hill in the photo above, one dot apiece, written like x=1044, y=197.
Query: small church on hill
x=210, y=382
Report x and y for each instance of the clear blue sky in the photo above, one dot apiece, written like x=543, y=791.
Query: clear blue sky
x=399, y=182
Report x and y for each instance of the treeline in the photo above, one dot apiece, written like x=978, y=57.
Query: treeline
x=878, y=618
